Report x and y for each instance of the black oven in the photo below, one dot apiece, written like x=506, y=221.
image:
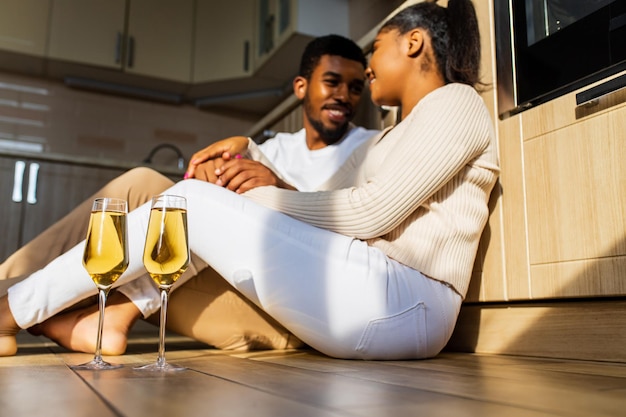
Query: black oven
x=546, y=48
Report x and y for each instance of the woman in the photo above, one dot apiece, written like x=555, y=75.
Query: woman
x=377, y=266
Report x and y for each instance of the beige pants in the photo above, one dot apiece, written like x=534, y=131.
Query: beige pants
x=206, y=308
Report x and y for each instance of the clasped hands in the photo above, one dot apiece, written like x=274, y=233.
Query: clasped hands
x=221, y=163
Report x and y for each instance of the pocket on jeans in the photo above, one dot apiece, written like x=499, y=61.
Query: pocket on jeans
x=400, y=336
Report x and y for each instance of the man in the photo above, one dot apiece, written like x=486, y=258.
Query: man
x=330, y=84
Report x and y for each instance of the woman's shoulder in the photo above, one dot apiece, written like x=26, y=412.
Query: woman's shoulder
x=459, y=110
x=455, y=91
x=451, y=101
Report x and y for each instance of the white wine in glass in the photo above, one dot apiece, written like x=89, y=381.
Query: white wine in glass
x=105, y=258
x=166, y=257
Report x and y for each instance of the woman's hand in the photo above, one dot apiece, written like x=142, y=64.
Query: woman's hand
x=241, y=175
x=205, y=171
x=223, y=149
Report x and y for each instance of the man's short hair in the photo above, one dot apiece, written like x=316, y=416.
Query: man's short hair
x=329, y=45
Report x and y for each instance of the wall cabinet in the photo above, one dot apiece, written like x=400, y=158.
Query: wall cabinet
x=223, y=50
x=35, y=194
x=160, y=34
x=144, y=37
x=265, y=43
x=88, y=32
x=237, y=55
x=29, y=33
x=284, y=27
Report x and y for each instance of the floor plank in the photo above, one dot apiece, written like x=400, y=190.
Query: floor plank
x=492, y=379
x=49, y=389
x=38, y=381
x=345, y=390
x=190, y=393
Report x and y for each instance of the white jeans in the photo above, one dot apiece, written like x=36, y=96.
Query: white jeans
x=337, y=294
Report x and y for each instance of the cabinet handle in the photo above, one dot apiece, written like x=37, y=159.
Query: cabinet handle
x=268, y=45
x=246, y=56
x=131, y=52
x=118, y=48
x=31, y=195
x=18, y=180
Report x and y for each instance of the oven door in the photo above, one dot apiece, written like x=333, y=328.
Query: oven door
x=547, y=48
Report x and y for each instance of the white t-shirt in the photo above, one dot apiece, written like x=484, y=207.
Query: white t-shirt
x=307, y=169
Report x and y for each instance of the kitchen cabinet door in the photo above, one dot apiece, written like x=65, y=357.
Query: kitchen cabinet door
x=10, y=210
x=35, y=194
x=145, y=37
x=24, y=26
x=160, y=38
x=88, y=31
x=576, y=205
x=223, y=40
x=284, y=27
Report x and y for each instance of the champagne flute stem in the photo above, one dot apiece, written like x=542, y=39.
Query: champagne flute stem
x=102, y=299
x=164, y=298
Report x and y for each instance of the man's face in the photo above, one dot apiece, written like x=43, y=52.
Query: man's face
x=331, y=96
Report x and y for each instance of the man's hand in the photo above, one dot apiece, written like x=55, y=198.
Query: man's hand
x=223, y=149
x=241, y=175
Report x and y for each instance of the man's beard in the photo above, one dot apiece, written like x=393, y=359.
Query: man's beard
x=329, y=135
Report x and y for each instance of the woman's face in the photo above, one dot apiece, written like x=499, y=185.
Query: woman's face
x=387, y=68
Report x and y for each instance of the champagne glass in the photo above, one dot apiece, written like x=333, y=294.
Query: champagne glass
x=105, y=258
x=166, y=257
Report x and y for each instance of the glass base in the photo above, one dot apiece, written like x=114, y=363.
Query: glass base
x=97, y=365
x=160, y=367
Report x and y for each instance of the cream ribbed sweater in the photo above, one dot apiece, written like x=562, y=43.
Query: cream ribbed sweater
x=418, y=191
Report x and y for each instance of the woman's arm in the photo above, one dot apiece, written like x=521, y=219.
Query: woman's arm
x=444, y=133
x=221, y=163
x=228, y=148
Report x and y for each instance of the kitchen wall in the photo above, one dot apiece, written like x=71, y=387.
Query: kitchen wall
x=40, y=114
x=45, y=115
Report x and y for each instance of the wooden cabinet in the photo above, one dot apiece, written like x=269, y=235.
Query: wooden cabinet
x=35, y=194
x=284, y=27
x=89, y=32
x=576, y=201
x=11, y=205
x=145, y=37
x=562, y=214
x=563, y=202
x=160, y=34
x=260, y=38
x=24, y=26
x=224, y=40
x=237, y=55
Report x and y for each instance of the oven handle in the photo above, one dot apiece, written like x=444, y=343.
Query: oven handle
x=588, y=97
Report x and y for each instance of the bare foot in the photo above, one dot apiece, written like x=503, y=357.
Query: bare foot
x=77, y=329
x=8, y=329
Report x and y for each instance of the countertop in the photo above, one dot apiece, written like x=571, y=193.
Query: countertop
x=95, y=162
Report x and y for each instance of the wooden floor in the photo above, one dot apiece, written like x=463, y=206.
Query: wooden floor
x=38, y=382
